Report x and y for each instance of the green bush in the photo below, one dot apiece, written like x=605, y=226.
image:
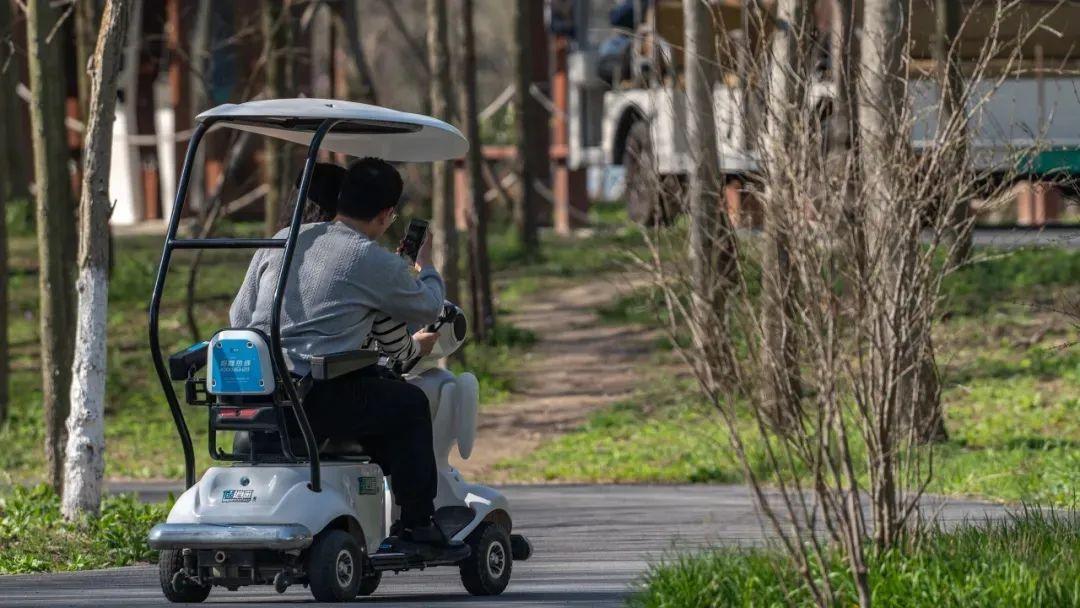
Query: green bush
x=34, y=537
x=1030, y=559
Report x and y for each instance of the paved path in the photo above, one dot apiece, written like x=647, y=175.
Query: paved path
x=592, y=543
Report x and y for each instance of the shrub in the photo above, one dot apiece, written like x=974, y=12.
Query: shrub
x=35, y=537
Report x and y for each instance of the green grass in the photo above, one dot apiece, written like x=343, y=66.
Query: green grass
x=35, y=538
x=1029, y=560
x=1011, y=403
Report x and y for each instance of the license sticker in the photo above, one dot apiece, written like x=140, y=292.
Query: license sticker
x=238, y=496
x=368, y=485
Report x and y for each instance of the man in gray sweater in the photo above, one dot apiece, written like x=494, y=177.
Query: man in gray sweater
x=341, y=281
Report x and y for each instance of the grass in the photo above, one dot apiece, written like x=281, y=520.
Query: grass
x=1009, y=391
x=140, y=437
x=1031, y=559
x=35, y=538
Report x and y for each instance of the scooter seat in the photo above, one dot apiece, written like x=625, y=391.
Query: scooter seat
x=267, y=445
x=341, y=449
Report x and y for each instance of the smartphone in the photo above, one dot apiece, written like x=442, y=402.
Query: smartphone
x=414, y=237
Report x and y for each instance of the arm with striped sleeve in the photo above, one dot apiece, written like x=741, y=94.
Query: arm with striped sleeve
x=392, y=338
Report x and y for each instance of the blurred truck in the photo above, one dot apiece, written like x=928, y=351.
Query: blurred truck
x=627, y=105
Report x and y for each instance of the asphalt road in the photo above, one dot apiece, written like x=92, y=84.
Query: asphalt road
x=592, y=543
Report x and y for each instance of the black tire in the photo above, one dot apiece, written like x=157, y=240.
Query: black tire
x=487, y=569
x=651, y=199
x=334, y=567
x=369, y=583
x=171, y=561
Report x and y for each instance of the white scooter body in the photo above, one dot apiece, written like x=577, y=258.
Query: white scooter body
x=253, y=507
x=278, y=493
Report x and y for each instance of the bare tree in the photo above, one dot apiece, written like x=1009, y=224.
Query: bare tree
x=783, y=392
x=8, y=107
x=712, y=248
x=352, y=23
x=864, y=230
x=445, y=243
x=947, y=62
x=84, y=464
x=532, y=125
x=55, y=225
x=198, y=95
x=483, y=308
x=86, y=22
x=277, y=42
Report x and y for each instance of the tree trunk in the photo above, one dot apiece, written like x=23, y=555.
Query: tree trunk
x=532, y=125
x=445, y=243
x=783, y=392
x=198, y=98
x=483, y=309
x=711, y=238
x=84, y=465
x=275, y=28
x=55, y=226
x=8, y=106
x=86, y=22
x=15, y=170
x=952, y=126
x=351, y=10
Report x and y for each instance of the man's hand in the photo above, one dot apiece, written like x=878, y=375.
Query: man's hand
x=423, y=255
x=426, y=340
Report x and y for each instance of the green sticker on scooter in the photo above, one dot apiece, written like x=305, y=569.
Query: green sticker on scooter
x=367, y=485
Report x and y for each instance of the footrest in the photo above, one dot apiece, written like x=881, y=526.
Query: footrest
x=391, y=561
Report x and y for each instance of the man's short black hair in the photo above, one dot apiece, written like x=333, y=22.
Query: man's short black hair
x=370, y=185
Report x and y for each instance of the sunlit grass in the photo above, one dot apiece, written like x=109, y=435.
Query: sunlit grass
x=1031, y=559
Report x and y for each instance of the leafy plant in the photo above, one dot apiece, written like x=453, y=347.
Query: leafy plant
x=35, y=537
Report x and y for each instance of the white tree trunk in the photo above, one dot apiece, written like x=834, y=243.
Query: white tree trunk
x=84, y=463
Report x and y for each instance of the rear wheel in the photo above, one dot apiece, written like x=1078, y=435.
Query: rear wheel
x=651, y=198
x=176, y=587
x=334, y=567
x=487, y=569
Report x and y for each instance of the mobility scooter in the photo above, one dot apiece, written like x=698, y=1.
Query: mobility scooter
x=284, y=508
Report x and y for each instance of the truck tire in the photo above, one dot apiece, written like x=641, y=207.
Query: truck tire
x=335, y=567
x=652, y=199
x=171, y=562
x=487, y=569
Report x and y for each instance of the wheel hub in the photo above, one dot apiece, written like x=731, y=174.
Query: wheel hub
x=344, y=568
x=496, y=560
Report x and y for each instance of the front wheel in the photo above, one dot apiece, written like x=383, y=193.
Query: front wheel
x=369, y=584
x=334, y=567
x=487, y=569
x=176, y=587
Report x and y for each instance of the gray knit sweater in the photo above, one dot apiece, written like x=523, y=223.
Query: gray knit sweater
x=340, y=282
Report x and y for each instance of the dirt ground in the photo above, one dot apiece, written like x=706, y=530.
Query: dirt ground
x=577, y=366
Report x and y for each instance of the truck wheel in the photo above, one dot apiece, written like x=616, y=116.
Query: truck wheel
x=170, y=564
x=487, y=569
x=369, y=583
x=334, y=567
x=651, y=199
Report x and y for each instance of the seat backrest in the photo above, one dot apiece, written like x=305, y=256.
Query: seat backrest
x=239, y=363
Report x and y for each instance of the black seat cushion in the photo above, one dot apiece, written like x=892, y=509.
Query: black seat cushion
x=268, y=445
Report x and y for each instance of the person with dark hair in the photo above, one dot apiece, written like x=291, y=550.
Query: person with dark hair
x=322, y=195
x=341, y=283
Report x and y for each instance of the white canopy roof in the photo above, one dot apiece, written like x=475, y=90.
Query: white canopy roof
x=364, y=130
